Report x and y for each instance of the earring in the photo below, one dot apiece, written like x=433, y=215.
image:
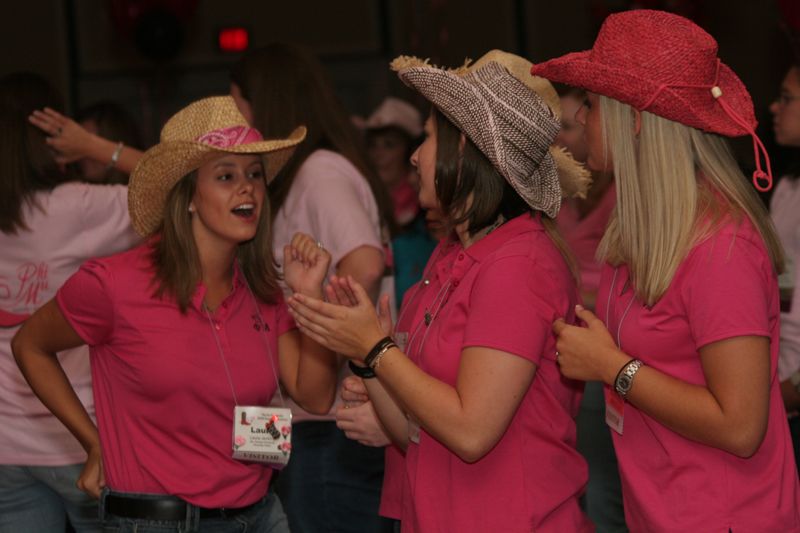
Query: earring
x=191, y=209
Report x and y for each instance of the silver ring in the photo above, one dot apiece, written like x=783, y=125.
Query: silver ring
x=319, y=245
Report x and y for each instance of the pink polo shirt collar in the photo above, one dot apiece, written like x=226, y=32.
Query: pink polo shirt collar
x=200, y=291
x=490, y=243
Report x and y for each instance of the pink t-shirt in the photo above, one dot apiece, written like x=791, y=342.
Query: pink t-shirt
x=72, y=223
x=726, y=287
x=785, y=212
x=331, y=201
x=411, y=312
x=164, y=402
x=503, y=292
x=584, y=234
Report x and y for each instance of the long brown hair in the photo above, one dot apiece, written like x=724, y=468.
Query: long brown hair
x=287, y=86
x=470, y=189
x=26, y=162
x=176, y=260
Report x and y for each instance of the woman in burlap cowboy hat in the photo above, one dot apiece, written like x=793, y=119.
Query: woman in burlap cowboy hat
x=468, y=382
x=686, y=332
x=189, y=335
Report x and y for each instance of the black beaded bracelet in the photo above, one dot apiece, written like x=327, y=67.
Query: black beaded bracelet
x=380, y=347
x=364, y=372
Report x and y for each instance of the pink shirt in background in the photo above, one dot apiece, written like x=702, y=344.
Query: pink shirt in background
x=164, y=402
x=331, y=201
x=66, y=226
x=726, y=287
x=785, y=212
x=583, y=235
x=503, y=292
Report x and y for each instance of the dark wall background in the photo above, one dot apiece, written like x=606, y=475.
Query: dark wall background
x=84, y=48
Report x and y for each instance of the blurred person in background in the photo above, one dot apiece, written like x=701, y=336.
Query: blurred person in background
x=785, y=211
x=327, y=189
x=392, y=133
x=49, y=225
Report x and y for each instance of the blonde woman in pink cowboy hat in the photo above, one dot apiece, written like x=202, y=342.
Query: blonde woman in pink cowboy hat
x=189, y=335
x=468, y=383
x=686, y=332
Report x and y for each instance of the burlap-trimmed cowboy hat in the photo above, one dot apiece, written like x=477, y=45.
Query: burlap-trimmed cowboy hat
x=664, y=64
x=195, y=135
x=511, y=117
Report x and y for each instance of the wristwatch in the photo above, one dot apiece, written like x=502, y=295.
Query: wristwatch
x=624, y=380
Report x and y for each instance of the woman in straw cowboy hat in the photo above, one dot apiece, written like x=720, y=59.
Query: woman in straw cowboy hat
x=686, y=332
x=183, y=330
x=469, y=383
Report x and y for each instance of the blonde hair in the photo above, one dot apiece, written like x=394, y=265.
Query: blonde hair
x=676, y=186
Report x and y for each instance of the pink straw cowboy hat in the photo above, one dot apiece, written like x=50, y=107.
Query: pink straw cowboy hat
x=195, y=135
x=511, y=117
x=666, y=65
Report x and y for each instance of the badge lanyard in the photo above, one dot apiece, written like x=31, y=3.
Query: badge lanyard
x=615, y=404
x=270, y=444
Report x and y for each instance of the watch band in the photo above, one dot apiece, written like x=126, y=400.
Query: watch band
x=364, y=372
x=624, y=380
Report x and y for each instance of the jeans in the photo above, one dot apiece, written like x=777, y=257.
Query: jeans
x=603, y=498
x=331, y=482
x=266, y=516
x=39, y=498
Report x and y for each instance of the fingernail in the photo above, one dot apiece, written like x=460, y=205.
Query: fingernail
x=579, y=307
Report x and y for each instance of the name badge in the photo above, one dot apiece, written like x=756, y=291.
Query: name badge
x=262, y=435
x=615, y=410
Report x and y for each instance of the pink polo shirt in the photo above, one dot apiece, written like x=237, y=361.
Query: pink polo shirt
x=503, y=292
x=411, y=313
x=163, y=399
x=726, y=287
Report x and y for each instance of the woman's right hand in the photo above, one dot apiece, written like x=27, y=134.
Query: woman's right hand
x=92, y=478
x=65, y=136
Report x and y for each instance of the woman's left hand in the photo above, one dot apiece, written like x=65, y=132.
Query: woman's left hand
x=305, y=265
x=351, y=331
x=587, y=353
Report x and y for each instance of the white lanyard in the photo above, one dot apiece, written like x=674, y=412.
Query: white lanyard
x=624, y=314
x=263, y=330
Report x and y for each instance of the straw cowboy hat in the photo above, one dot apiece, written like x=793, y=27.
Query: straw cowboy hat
x=197, y=134
x=511, y=117
x=664, y=64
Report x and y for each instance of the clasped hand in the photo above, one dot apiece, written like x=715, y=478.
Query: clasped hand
x=587, y=353
x=347, y=323
x=305, y=265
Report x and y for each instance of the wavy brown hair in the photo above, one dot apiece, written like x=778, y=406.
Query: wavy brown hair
x=286, y=85
x=27, y=164
x=177, y=263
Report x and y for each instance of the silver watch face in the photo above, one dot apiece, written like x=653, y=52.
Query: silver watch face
x=624, y=383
